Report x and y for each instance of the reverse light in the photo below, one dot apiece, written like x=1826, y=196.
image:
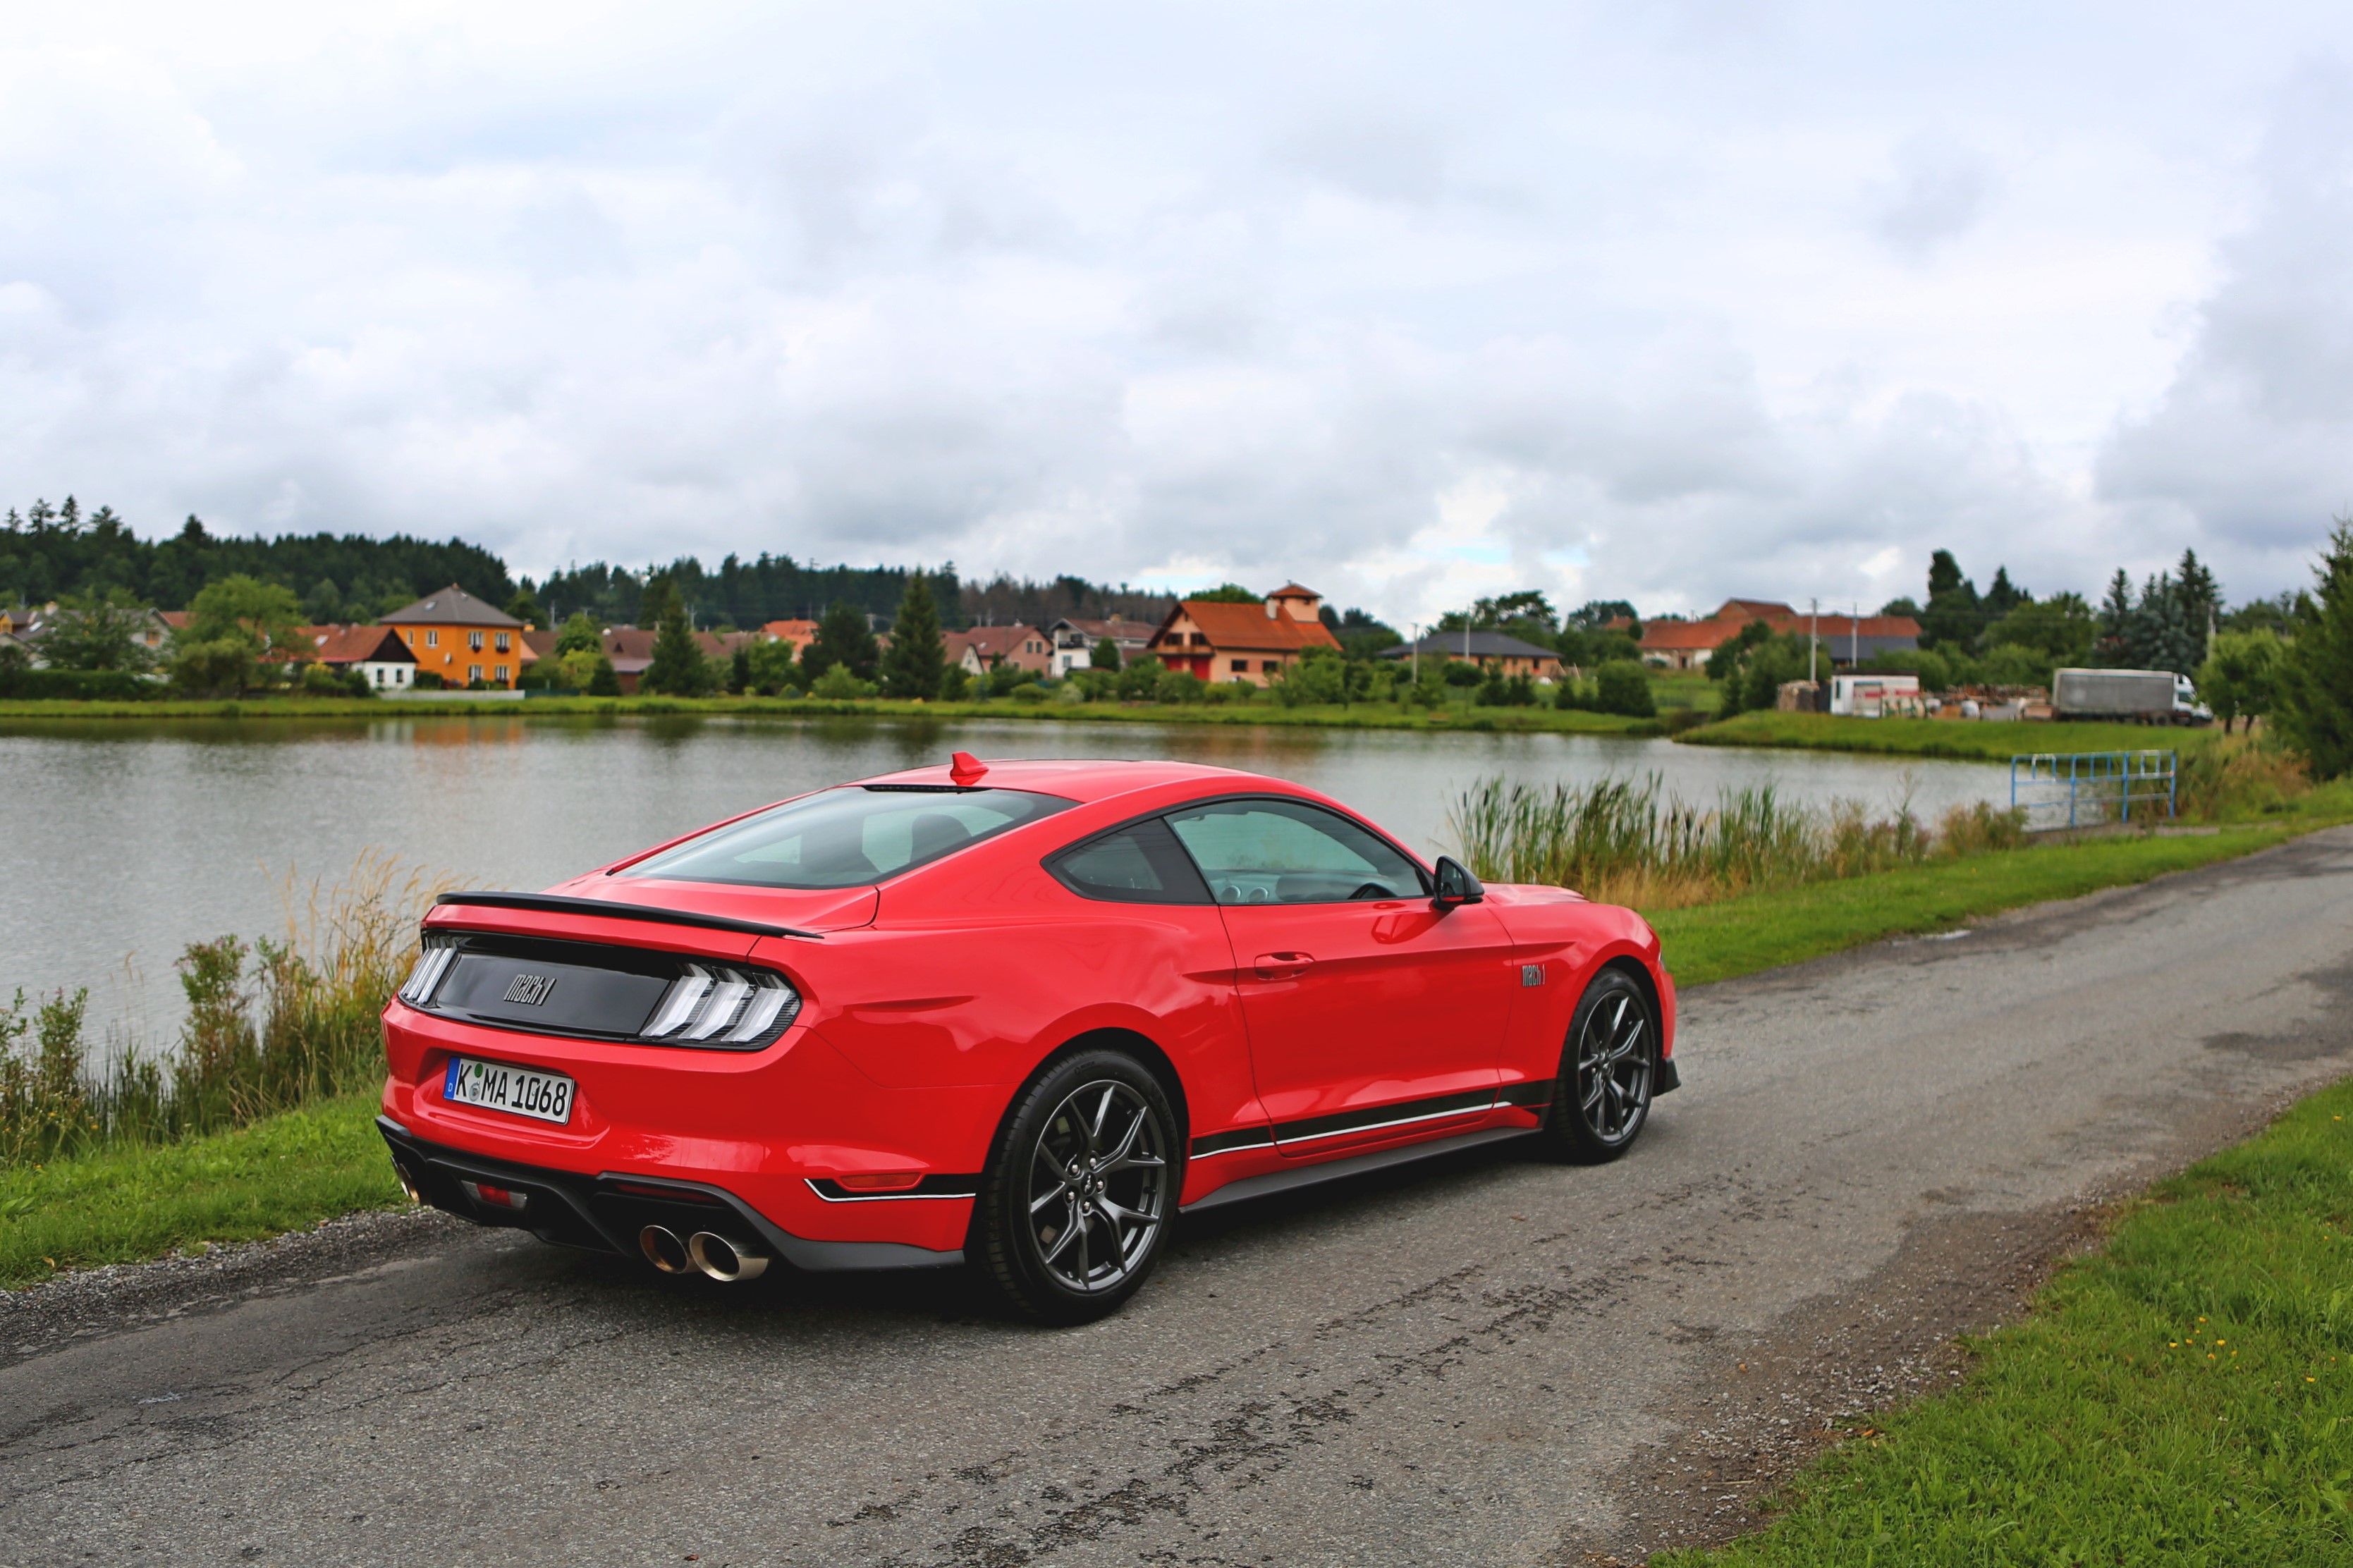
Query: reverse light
x=496, y=1197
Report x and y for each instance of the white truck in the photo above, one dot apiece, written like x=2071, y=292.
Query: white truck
x=2145, y=696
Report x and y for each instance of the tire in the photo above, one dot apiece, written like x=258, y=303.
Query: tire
x=1609, y=1069
x=1076, y=1206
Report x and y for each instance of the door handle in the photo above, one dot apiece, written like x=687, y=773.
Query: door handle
x=1281, y=965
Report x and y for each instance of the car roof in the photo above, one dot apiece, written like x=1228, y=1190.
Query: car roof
x=1085, y=779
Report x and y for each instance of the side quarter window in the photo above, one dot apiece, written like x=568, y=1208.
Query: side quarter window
x=1139, y=864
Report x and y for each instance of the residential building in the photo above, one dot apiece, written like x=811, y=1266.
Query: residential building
x=1498, y=653
x=1249, y=642
x=461, y=639
x=379, y=653
x=801, y=634
x=983, y=648
x=1845, y=639
x=1074, y=641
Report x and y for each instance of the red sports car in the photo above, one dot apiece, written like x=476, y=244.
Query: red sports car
x=1020, y=1014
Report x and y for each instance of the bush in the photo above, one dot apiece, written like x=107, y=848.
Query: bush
x=603, y=681
x=1177, y=686
x=1030, y=692
x=1454, y=672
x=427, y=680
x=1623, y=687
x=76, y=685
x=955, y=683
x=838, y=685
x=1140, y=681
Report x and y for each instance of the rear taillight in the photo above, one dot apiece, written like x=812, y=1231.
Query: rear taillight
x=727, y=1007
x=431, y=964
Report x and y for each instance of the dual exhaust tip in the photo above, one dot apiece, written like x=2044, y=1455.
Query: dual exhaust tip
x=707, y=1250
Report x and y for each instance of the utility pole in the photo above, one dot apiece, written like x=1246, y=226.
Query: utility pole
x=1854, y=636
x=1813, y=635
x=1414, y=652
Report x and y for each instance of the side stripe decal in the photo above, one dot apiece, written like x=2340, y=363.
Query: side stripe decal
x=1533, y=1095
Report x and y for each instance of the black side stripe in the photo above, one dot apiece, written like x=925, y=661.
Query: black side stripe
x=1239, y=1138
x=1399, y=1113
x=1533, y=1095
x=833, y=1191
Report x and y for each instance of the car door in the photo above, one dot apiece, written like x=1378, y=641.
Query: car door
x=1368, y=1010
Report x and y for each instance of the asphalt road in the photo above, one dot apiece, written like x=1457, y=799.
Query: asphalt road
x=1492, y=1361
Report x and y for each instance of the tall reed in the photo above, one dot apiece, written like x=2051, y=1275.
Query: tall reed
x=1627, y=841
x=270, y=1025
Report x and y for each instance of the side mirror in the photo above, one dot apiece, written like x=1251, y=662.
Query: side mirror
x=1456, y=885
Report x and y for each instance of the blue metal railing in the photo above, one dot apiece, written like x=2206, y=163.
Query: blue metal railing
x=2084, y=789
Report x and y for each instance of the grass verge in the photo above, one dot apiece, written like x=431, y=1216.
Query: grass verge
x=1959, y=739
x=1260, y=712
x=127, y=1202
x=1788, y=925
x=2185, y=1395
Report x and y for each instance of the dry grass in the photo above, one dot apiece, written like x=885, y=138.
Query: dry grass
x=271, y=1025
x=1624, y=841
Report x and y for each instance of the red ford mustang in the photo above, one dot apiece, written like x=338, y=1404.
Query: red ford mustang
x=1020, y=1014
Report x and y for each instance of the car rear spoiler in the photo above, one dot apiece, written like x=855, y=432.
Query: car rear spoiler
x=558, y=904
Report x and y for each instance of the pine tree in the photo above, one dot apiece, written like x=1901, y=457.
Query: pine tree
x=2116, y=620
x=842, y=638
x=912, y=667
x=2201, y=596
x=1954, y=617
x=677, y=668
x=2315, y=701
x=1106, y=655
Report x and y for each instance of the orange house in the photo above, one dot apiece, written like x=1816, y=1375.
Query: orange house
x=1251, y=643
x=461, y=639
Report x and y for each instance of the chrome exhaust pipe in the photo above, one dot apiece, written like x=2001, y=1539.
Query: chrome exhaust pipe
x=663, y=1250
x=723, y=1260
x=407, y=1180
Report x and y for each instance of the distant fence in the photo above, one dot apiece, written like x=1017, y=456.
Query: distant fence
x=2085, y=789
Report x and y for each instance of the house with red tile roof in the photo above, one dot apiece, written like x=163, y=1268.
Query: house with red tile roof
x=380, y=654
x=983, y=648
x=1845, y=639
x=1251, y=643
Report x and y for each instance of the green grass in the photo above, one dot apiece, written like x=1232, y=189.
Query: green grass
x=122, y=1204
x=1262, y=711
x=1766, y=930
x=2183, y=1396
x=1955, y=737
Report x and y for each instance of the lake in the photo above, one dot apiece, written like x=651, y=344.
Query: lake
x=128, y=838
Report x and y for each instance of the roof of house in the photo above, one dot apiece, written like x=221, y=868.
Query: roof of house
x=1753, y=610
x=1671, y=636
x=452, y=607
x=358, y=645
x=1667, y=636
x=1481, y=645
x=1250, y=626
x=1293, y=591
x=537, y=644
x=176, y=620
x=1118, y=629
x=799, y=633
x=988, y=642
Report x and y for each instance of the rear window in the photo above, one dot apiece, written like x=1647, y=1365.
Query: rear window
x=849, y=838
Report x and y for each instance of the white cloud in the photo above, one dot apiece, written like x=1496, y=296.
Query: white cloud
x=1177, y=296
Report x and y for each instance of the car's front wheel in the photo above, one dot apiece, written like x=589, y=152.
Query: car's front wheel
x=1074, y=1212
x=1608, y=1071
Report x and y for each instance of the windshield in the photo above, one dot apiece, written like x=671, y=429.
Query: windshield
x=848, y=838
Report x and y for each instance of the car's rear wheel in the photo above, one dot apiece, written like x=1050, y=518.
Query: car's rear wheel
x=1075, y=1210
x=1608, y=1070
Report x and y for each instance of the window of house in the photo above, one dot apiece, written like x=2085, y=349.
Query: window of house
x=504, y=644
x=501, y=673
x=1270, y=665
x=474, y=641
x=432, y=639
x=473, y=673
x=1241, y=666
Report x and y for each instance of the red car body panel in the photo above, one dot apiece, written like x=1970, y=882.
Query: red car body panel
x=928, y=1001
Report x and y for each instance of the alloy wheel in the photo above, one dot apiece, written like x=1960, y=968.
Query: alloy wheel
x=1613, y=1068
x=1098, y=1190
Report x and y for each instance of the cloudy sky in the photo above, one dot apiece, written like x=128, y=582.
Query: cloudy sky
x=1660, y=301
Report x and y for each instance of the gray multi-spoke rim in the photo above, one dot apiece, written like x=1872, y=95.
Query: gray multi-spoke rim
x=1098, y=1186
x=1614, y=1067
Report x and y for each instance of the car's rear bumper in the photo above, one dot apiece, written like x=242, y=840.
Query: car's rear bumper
x=605, y=1211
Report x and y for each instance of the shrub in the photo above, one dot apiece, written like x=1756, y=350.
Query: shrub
x=955, y=683
x=1030, y=692
x=76, y=685
x=1177, y=686
x=1623, y=687
x=838, y=685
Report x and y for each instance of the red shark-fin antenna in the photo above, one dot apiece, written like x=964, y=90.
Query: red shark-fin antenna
x=964, y=768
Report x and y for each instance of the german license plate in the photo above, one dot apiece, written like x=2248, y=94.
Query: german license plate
x=494, y=1086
